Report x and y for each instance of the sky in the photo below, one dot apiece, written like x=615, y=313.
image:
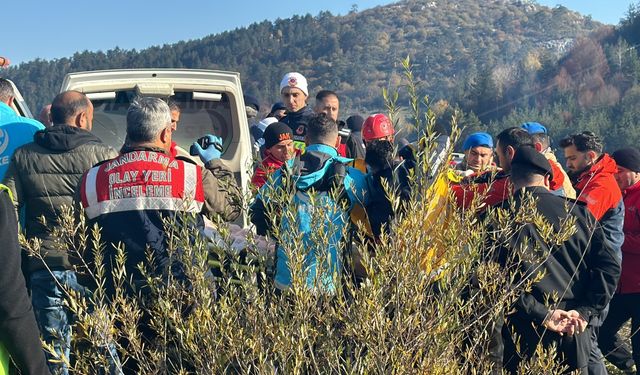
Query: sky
x=38, y=29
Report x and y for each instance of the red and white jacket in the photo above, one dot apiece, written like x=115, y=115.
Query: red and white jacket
x=142, y=180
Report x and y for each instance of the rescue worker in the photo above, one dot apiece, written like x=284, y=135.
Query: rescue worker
x=581, y=272
x=15, y=130
x=478, y=154
x=561, y=184
x=314, y=175
x=130, y=195
x=294, y=93
x=493, y=187
x=278, y=148
x=625, y=304
x=592, y=174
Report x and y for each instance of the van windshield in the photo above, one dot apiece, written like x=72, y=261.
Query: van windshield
x=197, y=118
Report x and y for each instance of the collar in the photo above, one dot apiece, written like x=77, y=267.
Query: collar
x=4, y=108
x=125, y=149
x=532, y=190
x=322, y=148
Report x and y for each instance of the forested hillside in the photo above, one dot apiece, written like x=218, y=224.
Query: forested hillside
x=499, y=61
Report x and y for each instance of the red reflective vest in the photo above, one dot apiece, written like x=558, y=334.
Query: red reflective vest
x=142, y=180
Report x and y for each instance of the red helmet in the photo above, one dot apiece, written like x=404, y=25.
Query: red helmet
x=377, y=126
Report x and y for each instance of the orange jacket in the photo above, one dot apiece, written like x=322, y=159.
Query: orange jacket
x=598, y=188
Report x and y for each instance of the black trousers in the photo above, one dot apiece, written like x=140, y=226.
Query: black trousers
x=573, y=350
x=621, y=308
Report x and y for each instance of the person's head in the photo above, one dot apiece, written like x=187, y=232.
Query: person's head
x=321, y=129
x=377, y=126
x=252, y=106
x=355, y=123
x=72, y=108
x=539, y=135
x=628, y=160
x=278, y=110
x=581, y=151
x=278, y=141
x=294, y=92
x=478, y=151
x=45, y=116
x=530, y=168
x=149, y=123
x=507, y=142
x=379, y=155
x=327, y=102
x=6, y=91
x=175, y=114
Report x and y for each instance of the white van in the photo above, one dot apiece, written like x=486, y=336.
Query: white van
x=211, y=102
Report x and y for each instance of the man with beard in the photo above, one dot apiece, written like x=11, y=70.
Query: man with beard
x=592, y=174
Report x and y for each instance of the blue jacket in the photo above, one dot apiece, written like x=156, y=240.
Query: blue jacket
x=316, y=164
x=15, y=131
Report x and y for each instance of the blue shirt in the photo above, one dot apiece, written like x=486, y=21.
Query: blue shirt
x=15, y=131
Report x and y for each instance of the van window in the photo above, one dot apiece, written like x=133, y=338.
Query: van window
x=197, y=118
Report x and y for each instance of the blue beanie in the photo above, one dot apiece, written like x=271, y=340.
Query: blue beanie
x=534, y=128
x=477, y=139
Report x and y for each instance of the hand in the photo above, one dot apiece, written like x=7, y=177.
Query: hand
x=211, y=152
x=578, y=324
x=557, y=321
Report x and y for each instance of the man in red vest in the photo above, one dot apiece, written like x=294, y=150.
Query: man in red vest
x=130, y=196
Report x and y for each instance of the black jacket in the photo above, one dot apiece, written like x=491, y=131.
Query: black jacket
x=355, y=145
x=297, y=121
x=583, y=270
x=43, y=176
x=18, y=330
x=379, y=209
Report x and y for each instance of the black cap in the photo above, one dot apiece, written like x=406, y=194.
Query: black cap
x=278, y=106
x=276, y=133
x=530, y=159
x=628, y=158
x=355, y=123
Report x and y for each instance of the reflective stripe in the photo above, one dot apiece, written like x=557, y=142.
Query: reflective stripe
x=142, y=203
x=90, y=190
x=190, y=180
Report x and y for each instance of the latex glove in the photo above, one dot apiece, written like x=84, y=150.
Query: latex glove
x=211, y=152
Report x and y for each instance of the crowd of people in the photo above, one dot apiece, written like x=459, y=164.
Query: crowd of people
x=327, y=169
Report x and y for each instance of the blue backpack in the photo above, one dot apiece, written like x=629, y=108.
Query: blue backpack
x=320, y=221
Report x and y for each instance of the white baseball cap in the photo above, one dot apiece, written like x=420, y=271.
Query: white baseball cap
x=294, y=79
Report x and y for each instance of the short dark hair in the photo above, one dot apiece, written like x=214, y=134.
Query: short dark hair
x=585, y=141
x=325, y=94
x=6, y=90
x=524, y=176
x=541, y=138
x=379, y=155
x=321, y=129
x=63, y=109
x=514, y=137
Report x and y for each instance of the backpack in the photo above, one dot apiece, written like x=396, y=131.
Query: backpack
x=321, y=217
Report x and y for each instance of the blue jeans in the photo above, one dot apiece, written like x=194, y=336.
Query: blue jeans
x=55, y=320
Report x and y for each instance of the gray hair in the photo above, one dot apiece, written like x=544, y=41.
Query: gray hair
x=6, y=90
x=147, y=118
